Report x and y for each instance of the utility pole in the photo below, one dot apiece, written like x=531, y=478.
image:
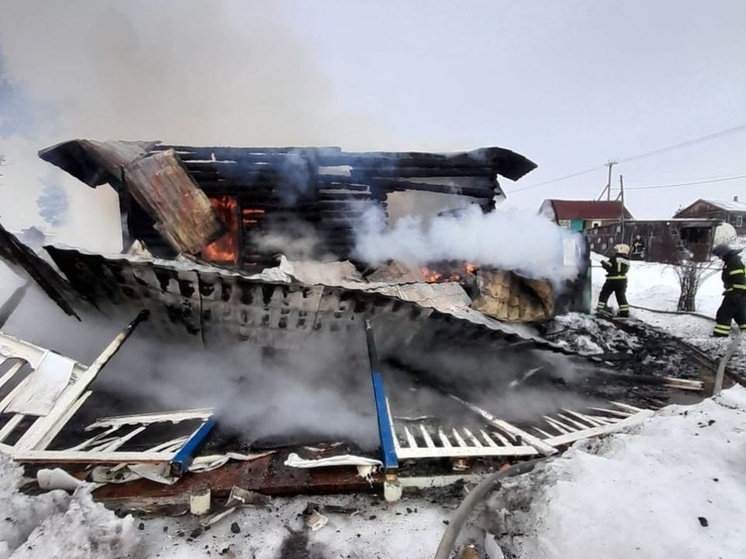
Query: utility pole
x=607, y=189
x=621, y=195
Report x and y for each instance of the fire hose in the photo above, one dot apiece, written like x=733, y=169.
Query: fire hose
x=700, y=315
x=474, y=497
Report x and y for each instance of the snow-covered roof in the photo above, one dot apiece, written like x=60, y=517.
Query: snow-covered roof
x=728, y=205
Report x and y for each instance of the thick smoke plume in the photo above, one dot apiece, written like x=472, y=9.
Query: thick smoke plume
x=319, y=390
x=512, y=240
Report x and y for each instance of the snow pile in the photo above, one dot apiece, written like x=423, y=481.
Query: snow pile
x=409, y=528
x=55, y=524
x=674, y=488
x=589, y=336
x=655, y=286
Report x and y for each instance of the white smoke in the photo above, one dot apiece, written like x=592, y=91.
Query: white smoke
x=504, y=239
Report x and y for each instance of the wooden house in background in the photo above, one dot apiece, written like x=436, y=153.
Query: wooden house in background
x=581, y=215
x=667, y=241
x=733, y=212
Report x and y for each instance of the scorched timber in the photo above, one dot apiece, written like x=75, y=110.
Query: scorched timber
x=217, y=306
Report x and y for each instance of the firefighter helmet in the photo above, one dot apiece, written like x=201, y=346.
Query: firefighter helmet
x=721, y=250
x=622, y=249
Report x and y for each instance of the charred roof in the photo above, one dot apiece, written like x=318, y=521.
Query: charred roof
x=184, y=199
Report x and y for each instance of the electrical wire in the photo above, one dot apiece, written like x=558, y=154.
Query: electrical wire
x=677, y=185
x=658, y=151
x=685, y=144
x=559, y=179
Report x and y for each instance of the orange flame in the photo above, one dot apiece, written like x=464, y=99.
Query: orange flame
x=249, y=216
x=225, y=249
x=445, y=272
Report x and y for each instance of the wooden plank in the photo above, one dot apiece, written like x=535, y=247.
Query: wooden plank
x=465, y=452
x=46, y=428
x=148, y=418
x=11, y=373
x=182, y=211
x=444, y=439
x=587, y=418
x=627, y=407
x=535, y=442
x=487, y=439
x=568, y=438
x=561, y=427
x=459, y=439
x=425, y=435
x=121, y=441
x=87, y=457
x=94, y=440
x=10, y=426
x=47, y=437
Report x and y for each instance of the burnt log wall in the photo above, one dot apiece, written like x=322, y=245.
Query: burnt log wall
x=323, y=190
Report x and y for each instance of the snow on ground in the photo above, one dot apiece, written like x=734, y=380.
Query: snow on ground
x=56, y=524
x=655, y=286
x=674, y=487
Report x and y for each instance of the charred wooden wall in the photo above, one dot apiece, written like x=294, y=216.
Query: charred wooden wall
x=319, y=189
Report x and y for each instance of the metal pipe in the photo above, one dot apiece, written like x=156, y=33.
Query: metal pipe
x=383, y=414
x=183, y=458
x=472, y=500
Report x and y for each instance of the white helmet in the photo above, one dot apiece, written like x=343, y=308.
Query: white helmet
x=622, y=249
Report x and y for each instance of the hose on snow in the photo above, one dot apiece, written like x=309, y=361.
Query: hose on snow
x=470, y=502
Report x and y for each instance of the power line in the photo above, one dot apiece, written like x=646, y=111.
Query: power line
x=688, y=143
x=673, y=147
x=559, y=179
x=676, y=185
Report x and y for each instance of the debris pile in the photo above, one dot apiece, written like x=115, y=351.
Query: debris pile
x=455, y=378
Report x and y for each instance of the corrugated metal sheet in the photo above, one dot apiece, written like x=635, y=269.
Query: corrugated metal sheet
x=217, y=307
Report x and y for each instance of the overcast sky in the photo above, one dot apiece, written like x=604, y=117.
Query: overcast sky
x=568, y=84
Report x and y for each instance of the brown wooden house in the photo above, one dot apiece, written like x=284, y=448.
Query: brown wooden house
x=580, y=215
x=733, y=212
x=667, y=241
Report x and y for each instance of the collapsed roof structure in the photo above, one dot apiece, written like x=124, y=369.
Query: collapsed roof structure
x=202, y=277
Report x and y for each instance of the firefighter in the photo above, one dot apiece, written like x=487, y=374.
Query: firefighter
x=733, y=306
x=616, y=282
x=638, y=249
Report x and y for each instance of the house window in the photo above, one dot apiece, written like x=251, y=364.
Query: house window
x=738, y=221
x=595, y=224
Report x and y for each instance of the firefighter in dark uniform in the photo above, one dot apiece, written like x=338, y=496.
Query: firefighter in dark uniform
x=616, y=282
x=733, y=306
x=638, y=249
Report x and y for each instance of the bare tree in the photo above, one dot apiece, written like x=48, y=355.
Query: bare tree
x=691, y=276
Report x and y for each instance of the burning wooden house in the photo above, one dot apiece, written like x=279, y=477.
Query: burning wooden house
x=445, y=346
x=219, y=206
x=217, y=203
